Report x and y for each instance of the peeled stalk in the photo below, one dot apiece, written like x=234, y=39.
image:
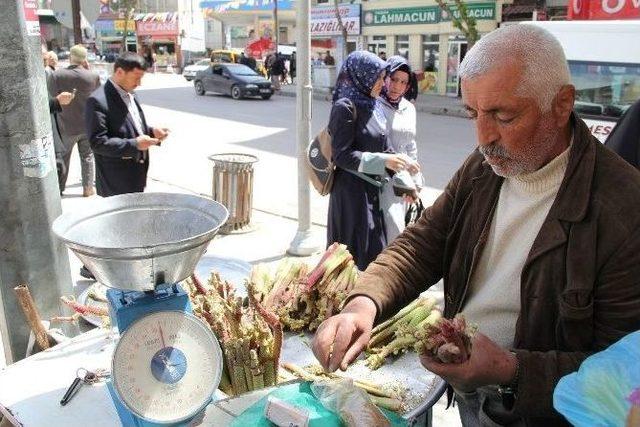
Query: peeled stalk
x=391, y=404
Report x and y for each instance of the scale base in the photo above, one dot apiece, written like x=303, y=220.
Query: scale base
x=129, y=420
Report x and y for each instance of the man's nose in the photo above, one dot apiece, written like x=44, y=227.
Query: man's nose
x=487, y=130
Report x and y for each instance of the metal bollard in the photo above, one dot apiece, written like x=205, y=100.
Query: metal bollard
x=232, y=185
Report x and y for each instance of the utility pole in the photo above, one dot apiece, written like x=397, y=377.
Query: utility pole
x=277, y=25
x=304, y=243
x=75, y=16
x=29, y=193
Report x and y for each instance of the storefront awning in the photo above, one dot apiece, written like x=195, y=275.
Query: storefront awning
x=156, y=17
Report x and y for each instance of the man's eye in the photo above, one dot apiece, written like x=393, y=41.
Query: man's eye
x=505, y=119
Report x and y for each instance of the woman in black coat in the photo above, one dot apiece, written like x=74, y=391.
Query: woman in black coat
x=362, y=156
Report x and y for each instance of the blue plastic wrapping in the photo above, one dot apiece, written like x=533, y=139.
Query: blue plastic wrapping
x=599, y=393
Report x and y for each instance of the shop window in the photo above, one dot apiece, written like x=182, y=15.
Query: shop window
x=604, y=89
x=377, y=44
x=402, y=46
x=430, y=63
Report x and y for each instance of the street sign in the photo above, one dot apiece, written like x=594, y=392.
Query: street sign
x=31, y=17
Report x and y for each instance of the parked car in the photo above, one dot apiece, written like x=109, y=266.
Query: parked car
x=190, y=71
x=236, y=80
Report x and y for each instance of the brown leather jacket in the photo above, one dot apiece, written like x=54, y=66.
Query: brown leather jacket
x=580, y=282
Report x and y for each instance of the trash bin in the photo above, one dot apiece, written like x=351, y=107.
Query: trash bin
x=233, y=187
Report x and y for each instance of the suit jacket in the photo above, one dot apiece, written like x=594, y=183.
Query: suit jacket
x=120, y=167
x=71, y=118
x=580, y=283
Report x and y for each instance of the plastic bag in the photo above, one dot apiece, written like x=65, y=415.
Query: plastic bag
x=350, y=403
x=604, y=391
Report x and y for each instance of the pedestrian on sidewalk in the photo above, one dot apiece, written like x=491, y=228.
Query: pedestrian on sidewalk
x=292, y=67
x=118, y=130
x=362, y=156
x=276, y=71
x=328, y=59
x=536, y=237
x=81, y=82
x=400, y=115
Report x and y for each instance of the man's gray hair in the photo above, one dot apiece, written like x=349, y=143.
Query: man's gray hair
x=545, y=68
x=77, y=54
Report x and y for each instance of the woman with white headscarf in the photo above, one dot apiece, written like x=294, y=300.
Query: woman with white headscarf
x=400, y=117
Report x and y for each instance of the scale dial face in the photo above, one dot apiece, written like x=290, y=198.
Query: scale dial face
x=166, y=366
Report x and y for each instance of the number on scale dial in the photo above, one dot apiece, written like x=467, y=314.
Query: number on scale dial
x=166, y=366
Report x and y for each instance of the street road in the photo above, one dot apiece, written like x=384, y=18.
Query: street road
x=203, y=125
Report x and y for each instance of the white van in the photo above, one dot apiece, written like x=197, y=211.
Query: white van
x=604, y=60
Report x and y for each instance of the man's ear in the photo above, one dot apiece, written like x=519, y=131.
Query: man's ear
x=563, y=104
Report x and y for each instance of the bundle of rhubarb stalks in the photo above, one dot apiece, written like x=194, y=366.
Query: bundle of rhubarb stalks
x=303, y=299
x=420, y=327
x=250, y=336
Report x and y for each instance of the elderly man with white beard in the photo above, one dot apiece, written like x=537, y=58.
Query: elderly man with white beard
x=537, y=239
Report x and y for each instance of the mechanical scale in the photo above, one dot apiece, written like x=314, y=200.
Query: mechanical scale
x=167, y=363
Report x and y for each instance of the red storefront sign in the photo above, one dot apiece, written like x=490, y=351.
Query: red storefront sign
x=603, y=9
x=155, y=28
x=32, y=23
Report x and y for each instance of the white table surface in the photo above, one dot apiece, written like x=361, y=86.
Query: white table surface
x=31, y=390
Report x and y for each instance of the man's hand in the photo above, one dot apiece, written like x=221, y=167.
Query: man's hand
x=143, y=142
x=341, y=338
x=161, y=133
x=489, y=364
x=65, y=98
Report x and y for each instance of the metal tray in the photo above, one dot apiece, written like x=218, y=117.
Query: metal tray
x=423, y=387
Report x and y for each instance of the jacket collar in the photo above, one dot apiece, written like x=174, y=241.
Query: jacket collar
x=572, y=201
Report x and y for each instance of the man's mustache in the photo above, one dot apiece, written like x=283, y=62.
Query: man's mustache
x=493, y=150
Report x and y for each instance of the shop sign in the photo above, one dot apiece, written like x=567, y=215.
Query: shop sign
x=603, y=9
x=221, y=6
x=412, y=16
x=119, y=25
x=479, y=11
x=426, y=15
x=32, y=23
x=155, y=28
x=325, y=23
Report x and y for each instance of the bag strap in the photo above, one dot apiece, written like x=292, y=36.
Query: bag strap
x=368, y=179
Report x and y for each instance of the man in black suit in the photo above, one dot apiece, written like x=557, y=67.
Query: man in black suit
x=118, y=132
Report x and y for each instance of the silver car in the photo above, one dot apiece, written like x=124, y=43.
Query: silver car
x=190, y=71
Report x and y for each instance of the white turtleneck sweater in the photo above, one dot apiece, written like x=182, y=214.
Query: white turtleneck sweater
x=493, y=297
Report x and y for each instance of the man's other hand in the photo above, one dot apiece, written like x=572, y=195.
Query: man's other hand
x=341, y=338
x=143, y=142
x=65, y=98
x=489, y=364
x=161, y=133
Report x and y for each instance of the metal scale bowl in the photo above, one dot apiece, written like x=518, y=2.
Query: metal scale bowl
x=167, y=363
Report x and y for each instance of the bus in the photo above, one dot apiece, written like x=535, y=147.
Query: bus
x=604, y=60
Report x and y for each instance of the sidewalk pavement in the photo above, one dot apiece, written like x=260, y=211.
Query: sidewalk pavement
x=434, y=104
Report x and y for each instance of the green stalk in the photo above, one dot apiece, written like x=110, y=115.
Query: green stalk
x=400, y=314
x=374, y=361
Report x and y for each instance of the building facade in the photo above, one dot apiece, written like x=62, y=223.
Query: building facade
x=420, y=31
